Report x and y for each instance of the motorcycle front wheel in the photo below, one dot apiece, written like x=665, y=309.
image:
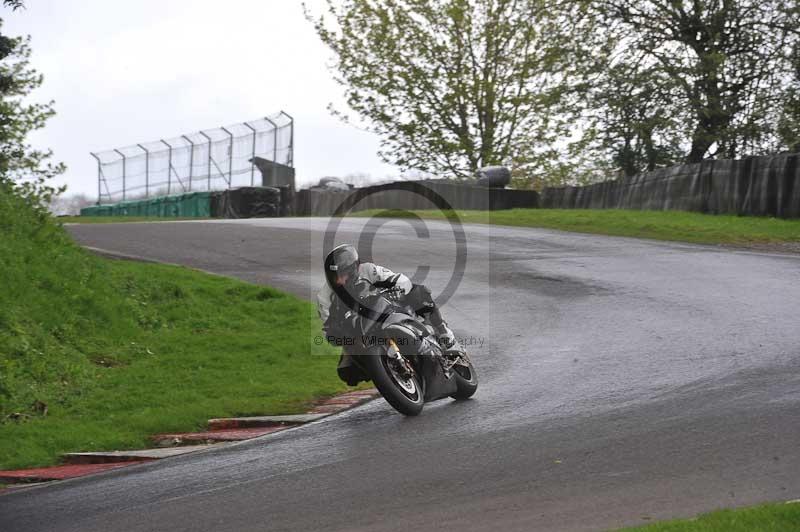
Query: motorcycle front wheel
x=466, y=380
x=404, y=392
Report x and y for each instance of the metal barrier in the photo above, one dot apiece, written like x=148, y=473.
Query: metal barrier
x=210, y=159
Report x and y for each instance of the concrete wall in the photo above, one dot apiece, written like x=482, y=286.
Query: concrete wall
x=274, y=174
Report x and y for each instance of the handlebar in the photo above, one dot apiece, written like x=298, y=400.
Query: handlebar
x=376, y=290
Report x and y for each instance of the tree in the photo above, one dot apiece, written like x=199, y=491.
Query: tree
x=70, y=205
x=789, y=121
x=23, y=170
x=632, y=119
x=726, y=58
x=453, y=85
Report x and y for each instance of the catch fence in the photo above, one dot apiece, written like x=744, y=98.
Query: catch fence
x=210, y=159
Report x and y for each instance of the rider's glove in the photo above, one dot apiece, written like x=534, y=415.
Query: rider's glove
x=395, y=294
x=351, y=319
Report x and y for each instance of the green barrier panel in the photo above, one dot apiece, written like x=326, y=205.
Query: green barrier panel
x=190, y=205
x=195, y=205
x=154, y=207
x=202, y=202
x=169, y=207
x=133, y=208
x=183, y=206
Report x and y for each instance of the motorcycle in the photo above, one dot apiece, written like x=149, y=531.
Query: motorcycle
x=397, y=350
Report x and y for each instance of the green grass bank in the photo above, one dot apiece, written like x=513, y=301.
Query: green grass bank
x=97, y=354
x=780, y=517
x=659, y=225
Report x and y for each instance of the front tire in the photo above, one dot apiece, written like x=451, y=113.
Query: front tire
x=407, y=396
x=466, y=380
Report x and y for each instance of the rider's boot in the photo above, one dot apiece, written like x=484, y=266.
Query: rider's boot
x=446, y=338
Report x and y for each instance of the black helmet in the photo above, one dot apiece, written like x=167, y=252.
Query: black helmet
x=342, y=260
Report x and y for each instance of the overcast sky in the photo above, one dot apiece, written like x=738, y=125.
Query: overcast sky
x=123, y=72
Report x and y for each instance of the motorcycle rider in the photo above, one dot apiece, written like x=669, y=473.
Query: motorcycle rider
x=343, y=269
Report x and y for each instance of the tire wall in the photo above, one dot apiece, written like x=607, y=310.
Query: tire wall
x=414, y=195
x=246, y=202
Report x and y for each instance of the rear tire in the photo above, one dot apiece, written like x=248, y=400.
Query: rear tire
x=407, y=397
x=466, y=381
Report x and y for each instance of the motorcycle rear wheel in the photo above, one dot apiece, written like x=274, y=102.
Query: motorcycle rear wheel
x=406, y=395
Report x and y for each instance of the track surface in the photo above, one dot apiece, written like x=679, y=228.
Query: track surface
x=623, y=381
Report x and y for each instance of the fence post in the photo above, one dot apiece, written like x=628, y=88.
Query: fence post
x=99, y=174
x=146, y=171
x=191, y=159
x=169, y=167
x=253, y=156
x=230, y=157
x=209, y=158
x=290, y=158
x=123, y=172
x=274, y=171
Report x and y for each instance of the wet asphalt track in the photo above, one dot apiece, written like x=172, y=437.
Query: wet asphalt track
x=623, y=381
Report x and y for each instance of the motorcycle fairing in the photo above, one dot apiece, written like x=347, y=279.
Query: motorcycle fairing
x=437, y=385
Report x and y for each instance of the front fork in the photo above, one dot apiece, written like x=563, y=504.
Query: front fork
x=434, y=351
x=394, y=354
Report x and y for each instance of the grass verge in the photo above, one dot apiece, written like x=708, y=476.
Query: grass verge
x=120, y=219
x=659, y=225
x=779, y=517
x=97, y=354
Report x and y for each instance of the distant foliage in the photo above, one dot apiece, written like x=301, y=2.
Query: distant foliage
x=23, y=170
x=789, y=121
x=568, y=92
x=454, y=85
x=70, y=205
x=696, y=79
